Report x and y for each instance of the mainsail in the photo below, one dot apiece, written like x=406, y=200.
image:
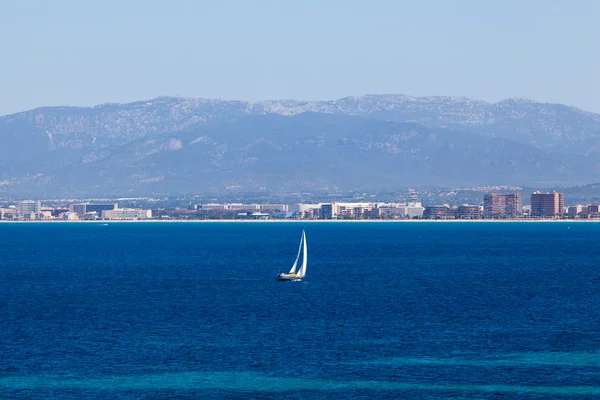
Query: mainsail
x=302, y=271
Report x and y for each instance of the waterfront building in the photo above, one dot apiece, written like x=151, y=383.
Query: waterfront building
x=295, y=208
x=593, y=211
x=29, y=209
x=578, y=211
x=70, y=216
x=126, y=214
x=342, y=210
x=390, y=211
x=78, y=209
x=58, y=211
x=439, y=212
x=352, y=210
x=213, y=207
x=273, y=207
x=497, y=205
x=326, y=211
x=242, y=207
x=464, y=211
x=414, y=209
x=90, y=216
x=45, y=214
x=308, y=211
x=83, y=208
x=547, y=204
x=98, y=208
x=469, y=212
x=9, y=213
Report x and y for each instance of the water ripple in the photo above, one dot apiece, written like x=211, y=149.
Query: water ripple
x=250, y=382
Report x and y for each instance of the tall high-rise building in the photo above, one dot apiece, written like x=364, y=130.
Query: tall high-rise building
x=497, y=205
x=414, y=208
x=412, y=196
x=547, y=204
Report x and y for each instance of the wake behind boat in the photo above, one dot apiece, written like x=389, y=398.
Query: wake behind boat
x=294, y=276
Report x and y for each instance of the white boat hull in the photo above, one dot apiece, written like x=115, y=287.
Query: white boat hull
x=288, y=278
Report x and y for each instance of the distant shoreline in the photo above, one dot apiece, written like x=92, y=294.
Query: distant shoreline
x=149, y=221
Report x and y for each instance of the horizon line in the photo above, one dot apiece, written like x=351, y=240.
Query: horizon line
x=516, y=99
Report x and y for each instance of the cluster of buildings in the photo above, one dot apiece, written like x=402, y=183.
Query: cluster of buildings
x=495, y=206
x=505, y=206
x=254, y=207
x=542, y=205
x=345, y=210
x=332, y=210
x=590, y=211
x=32, y=210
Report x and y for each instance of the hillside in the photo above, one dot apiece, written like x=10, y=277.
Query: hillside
x=177, y=145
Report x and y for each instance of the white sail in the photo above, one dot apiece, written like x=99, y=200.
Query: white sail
x=302, y=271
x=293, y=270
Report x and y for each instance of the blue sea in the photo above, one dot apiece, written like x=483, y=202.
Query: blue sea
x=387, y=311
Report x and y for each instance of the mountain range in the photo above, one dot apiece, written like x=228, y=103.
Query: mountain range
x=174, y=145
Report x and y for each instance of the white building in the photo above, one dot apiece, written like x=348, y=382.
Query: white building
x=45, y=214
x=9, y=213
x=392, y=210
x=305, y=210
x=213, y=206
x=69, y=216
x=127, y=214
x=245, y=207
x=242, y=207
x=273, y=207
x=414, y=208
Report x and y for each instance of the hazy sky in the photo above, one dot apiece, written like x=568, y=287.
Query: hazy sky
x=83, y=52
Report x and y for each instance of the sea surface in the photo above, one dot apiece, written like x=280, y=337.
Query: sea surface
x=387, y=311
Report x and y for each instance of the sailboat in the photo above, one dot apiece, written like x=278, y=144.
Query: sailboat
x=294, y=276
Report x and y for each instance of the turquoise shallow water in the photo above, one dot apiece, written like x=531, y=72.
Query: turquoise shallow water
x=393, y=310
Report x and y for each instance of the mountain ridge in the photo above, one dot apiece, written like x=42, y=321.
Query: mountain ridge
x=375, y=141
x=542, y=124
x=421, y=99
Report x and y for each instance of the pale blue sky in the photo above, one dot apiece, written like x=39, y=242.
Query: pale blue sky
x=81, y=52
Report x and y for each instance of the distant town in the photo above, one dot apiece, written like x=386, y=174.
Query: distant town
x=550, y=205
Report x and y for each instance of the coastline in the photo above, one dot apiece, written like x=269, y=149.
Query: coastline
x=388, y=221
